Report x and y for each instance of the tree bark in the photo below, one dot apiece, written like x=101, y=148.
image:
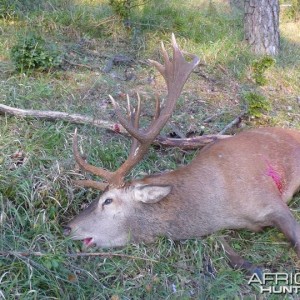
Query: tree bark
x=261, y=22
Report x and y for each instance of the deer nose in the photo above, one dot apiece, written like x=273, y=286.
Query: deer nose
x=67, y=230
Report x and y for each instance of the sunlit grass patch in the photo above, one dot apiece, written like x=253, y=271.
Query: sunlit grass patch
x=37, y=195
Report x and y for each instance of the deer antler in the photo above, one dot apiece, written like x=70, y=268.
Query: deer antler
x=175, y=72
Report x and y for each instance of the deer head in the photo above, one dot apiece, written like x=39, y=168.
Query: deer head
x=175, y=72
x=230, y=184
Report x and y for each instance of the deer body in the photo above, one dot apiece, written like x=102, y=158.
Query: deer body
x=241, y=182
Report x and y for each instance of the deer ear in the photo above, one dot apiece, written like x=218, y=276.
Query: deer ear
x=150, y=193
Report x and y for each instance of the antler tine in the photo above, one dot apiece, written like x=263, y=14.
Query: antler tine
x=175, y=73
x=88, y=167
x=91, y=184
x=129, y=109
x=135, y=122
x=157, y=110
x=157, y=107
x=134, y=114
x=125, y=123
x=137, y=112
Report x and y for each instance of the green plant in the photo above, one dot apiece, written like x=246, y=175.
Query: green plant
x=292, y=12
x=11, y=8
x=256, y=104
x=121, y=7
x=7, y=9
x=295, y=9
x=33, y=52
x=259, y=68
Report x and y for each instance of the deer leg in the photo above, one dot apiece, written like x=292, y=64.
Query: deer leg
x=237, y=262
x=286, y=223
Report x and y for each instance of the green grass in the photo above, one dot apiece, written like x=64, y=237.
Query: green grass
x=36, y=162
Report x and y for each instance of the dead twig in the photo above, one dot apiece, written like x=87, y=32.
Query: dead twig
x=214, y=116
x=182, y=143
x=109, y=255
x=80, y=254
x=78, y=65
x=234, y=122
x=106, y=20
x=201, y=74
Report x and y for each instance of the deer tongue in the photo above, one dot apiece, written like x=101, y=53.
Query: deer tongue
x=88, y=242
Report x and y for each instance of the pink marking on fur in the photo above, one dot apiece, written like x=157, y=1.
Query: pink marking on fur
x=117, y=128
x=276, y=178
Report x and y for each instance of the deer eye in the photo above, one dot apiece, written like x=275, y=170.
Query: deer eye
x=108, y=201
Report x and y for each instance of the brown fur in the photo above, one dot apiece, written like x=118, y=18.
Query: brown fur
x=241, y=182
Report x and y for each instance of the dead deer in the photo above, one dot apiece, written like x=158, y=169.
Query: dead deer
x=241, y=182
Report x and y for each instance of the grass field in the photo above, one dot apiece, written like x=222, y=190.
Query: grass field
x=37, y=165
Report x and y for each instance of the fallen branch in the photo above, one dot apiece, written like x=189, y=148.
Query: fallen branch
x=77, y=65
x=234, y=122
x=61, y=116
x=192, y=143
x=80, y=254
x=182, y=143
x=214, y=116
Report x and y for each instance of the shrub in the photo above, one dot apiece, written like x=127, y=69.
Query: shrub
x=33, y=52
x=259, y=67
x=256, y=104
x=123, y=8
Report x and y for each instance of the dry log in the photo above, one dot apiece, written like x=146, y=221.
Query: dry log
x=182, y=143
x=61, y=116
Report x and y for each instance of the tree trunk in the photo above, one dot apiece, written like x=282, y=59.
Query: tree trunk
x=262, y=26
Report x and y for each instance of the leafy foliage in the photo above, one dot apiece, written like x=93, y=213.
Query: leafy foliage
x=259, y=68
x=123, y=8
x=257, y=104
x=33, y=52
